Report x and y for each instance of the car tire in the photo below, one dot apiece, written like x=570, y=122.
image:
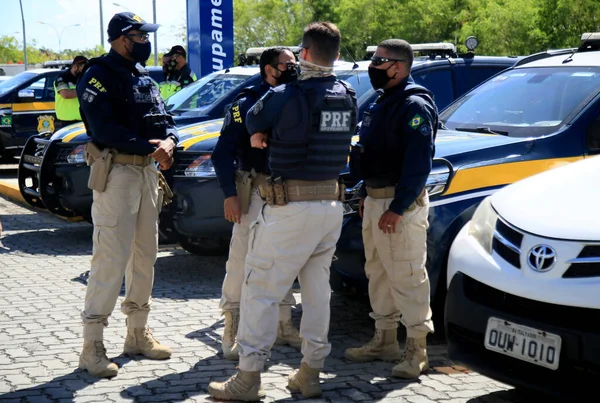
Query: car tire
x=205, y=246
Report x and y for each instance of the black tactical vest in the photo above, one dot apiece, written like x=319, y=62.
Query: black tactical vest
x=331, y=112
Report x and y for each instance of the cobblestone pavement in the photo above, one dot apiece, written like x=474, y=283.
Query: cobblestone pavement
x=43, y=264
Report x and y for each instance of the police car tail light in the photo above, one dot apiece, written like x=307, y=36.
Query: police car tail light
x=483, y=223
x=77, y=155
x=201, y=167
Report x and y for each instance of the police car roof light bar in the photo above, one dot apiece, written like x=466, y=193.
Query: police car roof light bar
x=257, y=51
x=442, y=47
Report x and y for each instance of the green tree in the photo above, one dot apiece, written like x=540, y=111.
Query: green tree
x=564, y=21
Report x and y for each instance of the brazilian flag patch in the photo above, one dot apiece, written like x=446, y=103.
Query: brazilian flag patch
x=416, y=121
x=6, y=121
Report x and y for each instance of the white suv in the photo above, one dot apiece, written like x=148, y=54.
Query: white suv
x=523, y=302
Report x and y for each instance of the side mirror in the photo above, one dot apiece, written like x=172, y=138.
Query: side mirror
x=26, y=94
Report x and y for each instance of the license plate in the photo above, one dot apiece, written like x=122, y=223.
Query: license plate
x=522, y=342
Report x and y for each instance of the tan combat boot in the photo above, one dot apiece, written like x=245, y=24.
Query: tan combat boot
x=139, y=340
x=383, y=346
x=244, y=386
x=288, y=334
x=231, y=349
x=306, y=381
x=93, y=358
x=414, y=360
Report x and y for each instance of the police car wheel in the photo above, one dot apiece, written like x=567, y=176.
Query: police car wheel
x=205, y=246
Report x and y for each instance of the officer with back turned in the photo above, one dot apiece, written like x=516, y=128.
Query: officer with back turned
x=131, y=132
x=308, y=126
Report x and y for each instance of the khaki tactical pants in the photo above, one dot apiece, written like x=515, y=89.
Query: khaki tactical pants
x=296, y=240
x=395, y=267
x=235, y=266
x=125, y=242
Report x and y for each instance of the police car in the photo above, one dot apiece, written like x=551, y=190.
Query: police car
x=26, y=109
x=197, y=213
x=52, y=170
x=542, y=113
x=523, y=305
x=53, y=174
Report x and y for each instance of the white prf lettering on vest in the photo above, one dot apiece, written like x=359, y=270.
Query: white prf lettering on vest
x=335, y=121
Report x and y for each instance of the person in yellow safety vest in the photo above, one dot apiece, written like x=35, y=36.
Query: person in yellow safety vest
x=179, y=73
x=65, y=95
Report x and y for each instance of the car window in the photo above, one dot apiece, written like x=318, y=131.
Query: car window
x=525, y=102
x=473, y=75
x=14, y=82
x=39, y=89
x=440, y=83
x=205, y=92
x=49, y=94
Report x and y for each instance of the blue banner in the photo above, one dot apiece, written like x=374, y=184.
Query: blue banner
x=210, y=35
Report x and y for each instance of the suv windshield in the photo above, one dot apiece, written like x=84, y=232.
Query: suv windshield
x=14, y=82
x=524, y=102
x=204, y=92
x=359, y=80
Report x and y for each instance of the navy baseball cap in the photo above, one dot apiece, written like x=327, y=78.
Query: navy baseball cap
x=122, y=23
x=177, y=50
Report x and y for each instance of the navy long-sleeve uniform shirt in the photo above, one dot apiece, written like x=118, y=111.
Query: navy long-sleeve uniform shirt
x=398, y=135
x=233, y=146
x=113, y=102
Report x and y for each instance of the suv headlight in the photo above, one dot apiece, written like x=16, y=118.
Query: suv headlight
x=76, y=156
x=201, y=167
x=483, y=224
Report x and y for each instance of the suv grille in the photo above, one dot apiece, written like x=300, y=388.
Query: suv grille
x=587, y=263
x=507, y=243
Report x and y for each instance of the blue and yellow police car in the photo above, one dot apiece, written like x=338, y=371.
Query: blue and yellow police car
x=197, y=213
x=542, y=113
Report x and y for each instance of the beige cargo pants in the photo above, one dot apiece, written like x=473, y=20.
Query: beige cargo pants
x=296, y=240
x=125, y=243
x=235, y=266
x=395, y=267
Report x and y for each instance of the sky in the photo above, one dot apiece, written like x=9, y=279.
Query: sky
x=62, y=13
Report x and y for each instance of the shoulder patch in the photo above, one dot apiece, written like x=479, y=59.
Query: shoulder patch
x=258, y=106
x=416, y=121
x=425, y=130
x=237, y=115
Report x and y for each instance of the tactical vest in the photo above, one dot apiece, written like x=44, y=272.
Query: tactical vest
x=141, y=109
x=383, y=154
x=332, y=122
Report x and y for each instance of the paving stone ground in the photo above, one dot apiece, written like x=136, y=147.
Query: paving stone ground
x=43, y=275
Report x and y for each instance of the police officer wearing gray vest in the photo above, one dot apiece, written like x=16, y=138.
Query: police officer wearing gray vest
x=394, y=156
x=308, y=126
x=130, y=133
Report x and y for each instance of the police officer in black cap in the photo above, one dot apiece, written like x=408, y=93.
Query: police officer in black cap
x=131, y=132
x=179, y=73
x=394, y=158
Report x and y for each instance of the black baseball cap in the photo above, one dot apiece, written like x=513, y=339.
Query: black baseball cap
x=79, y=59
x=122, y=23
x=177, y=49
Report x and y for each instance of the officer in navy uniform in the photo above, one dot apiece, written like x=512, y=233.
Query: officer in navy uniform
x=277, y=66
x=308, y=126
x=123, y=112
x=393, y=158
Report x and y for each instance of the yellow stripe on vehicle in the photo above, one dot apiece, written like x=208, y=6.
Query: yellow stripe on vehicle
x=5, y=105
x=71, y=136
x=33, y=106
x=502, y=174
x=190, y=142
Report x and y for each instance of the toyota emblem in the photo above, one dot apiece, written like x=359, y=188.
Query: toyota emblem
x=541, y=258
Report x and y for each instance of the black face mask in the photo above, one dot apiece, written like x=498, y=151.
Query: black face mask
x=378, y=77
x=141, y=51
x=287, y=76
